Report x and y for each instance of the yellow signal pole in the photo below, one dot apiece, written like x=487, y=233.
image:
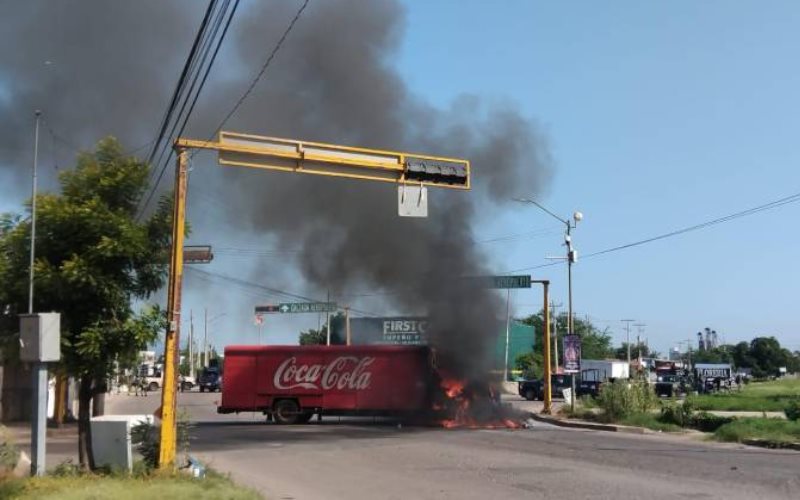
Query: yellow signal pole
x=285, y=155
x=170, y=386
x=548, y=390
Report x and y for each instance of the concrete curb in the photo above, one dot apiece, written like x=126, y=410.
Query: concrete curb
x=582, y=424
x=764, y=443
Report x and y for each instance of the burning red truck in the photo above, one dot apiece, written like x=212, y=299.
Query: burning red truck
x=293, y=383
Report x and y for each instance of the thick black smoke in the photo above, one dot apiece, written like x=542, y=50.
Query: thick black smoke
x=334, y=82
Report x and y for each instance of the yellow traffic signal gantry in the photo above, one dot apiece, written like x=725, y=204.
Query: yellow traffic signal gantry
x=286, y=155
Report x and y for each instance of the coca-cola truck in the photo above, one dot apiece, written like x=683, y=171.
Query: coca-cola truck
x=292, y=383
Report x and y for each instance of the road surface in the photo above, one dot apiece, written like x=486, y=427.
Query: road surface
x=363, y=459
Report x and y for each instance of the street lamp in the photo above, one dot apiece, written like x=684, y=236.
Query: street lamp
x=572, y=254
x=571, y=258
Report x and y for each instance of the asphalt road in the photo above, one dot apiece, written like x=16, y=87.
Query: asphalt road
x=365, y=459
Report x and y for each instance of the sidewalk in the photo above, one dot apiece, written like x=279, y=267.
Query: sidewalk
x=61, y=444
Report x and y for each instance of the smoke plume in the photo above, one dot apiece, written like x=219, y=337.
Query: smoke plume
x=112, y=65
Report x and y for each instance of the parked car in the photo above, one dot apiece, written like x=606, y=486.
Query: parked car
x=188, y=382
x=534, y=389
x=210, y=380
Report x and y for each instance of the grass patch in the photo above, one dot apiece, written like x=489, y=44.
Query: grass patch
x=757, y=396
x=84, y=487
x=649, y=421
x=775, y=430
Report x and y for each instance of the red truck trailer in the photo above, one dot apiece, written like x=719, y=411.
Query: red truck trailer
x=292, y=383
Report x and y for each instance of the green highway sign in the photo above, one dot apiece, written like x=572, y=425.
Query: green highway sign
x=297, y=307
x=519, y=281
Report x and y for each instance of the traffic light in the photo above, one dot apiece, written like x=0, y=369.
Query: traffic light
x=437, y=171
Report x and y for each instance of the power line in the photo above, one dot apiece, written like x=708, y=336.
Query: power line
x=181, y=80
x=274, y=291
x=264, y=67
x=223, y=11
x=713, y=222
x=736, y=215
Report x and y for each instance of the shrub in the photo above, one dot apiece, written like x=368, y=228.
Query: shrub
x=674, y=412
x=708, y=422
x=623, y=398
x=792, y=410
x=147, y=439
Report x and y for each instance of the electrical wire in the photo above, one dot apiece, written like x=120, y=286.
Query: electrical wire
x=276, y=292
x=260, y=74
x=223, y=11
x=793, y=198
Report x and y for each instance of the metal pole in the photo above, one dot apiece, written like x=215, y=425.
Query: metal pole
x=168, y=393
x=33, y=210
x=347, y=323
x=191, y=343
x=39, y=372
x=205, y=338
x=554, y=319
x=328, y=322
x=548, y=392
x=39, y=431
x=508, y=333
x=628, y=337
x=570, y=323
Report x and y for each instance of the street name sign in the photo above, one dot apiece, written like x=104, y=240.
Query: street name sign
x=298, y=307
x=503, y=282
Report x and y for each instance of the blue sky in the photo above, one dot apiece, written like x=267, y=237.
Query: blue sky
x=657, y=116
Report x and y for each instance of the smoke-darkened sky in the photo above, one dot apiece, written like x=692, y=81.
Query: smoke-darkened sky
x=100, y=68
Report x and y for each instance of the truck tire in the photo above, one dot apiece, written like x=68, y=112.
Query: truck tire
x=286, y=412
x=530, y=394
x=153, y=386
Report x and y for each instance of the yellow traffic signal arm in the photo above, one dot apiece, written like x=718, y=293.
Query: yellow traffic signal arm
x=289, y=155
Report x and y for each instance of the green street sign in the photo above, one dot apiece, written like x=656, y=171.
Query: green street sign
x=307, y=307
x=520, y=281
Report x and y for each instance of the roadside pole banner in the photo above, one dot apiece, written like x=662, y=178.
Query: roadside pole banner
x=572, y=354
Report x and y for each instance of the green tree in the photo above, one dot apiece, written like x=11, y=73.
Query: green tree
x=721, y=354
x=93, y=258
x=621, y=352
x=530, y=364
x=595, y=343
x=314, y=337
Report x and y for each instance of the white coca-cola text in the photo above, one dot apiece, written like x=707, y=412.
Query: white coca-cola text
x=344, y=372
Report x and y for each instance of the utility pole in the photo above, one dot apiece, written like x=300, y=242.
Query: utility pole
x=553, y=307
x=39, y=372
x=33, y=211
x=628, y=337
x=328, y=321
x=191, y=343
x=347, y=323
x=508, y=333
x=205, y=338
x=639, y=330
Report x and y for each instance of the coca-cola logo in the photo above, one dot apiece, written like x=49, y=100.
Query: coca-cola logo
x=344, y=372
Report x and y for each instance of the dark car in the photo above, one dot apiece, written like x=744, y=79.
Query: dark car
x=210, y=380
x=534, y=389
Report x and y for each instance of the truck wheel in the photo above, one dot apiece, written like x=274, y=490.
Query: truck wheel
x=153, y=386
x=530, y=395
x=286, y=412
